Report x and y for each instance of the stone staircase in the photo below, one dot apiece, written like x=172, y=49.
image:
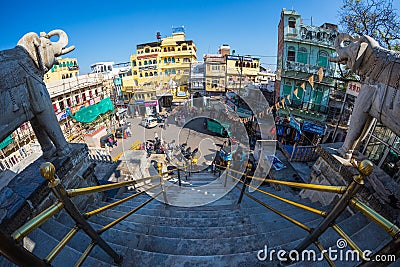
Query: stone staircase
x=221, y=233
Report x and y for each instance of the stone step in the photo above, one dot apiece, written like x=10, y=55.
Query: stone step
x=146, y=258
x=155, y=220
x=79, y=242
x=43, y=243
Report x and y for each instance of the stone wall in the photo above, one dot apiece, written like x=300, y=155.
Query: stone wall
x=27, y=194
x=331, y=169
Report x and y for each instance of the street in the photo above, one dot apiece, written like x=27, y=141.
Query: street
x=192, y=133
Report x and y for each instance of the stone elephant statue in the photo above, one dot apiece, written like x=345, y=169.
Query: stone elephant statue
x=23, y=94
x=379, y=97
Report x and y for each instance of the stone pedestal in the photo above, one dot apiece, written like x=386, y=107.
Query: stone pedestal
x=379, y=191
x=28, y=194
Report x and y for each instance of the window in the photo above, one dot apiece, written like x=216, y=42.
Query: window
x=165, y=60
x=184, y=48
x=291, y=55
x=135, y=72
x=154, y=61
x=146, y=74
x=292, y=22
x=109, y=68
x=155, y=73
x=302, y=55
x=165, y=49
x=323, y=59
x=173, y=60
x=186, y=60
x=214, y=84
x=140, y=63
x=215, y=67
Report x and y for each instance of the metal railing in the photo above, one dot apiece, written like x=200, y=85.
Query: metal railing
x=16, y=253
x=348, y=197
x=11, y=248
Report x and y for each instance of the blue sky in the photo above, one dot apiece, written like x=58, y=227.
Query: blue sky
x=110, y=30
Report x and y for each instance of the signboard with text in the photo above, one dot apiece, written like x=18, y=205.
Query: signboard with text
x=313, y=128
x=353, y=88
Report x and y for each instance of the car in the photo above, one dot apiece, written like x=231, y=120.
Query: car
x=149, y=122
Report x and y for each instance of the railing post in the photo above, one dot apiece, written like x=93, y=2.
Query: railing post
x=244, y=183
x=190, y=166
x=365, y=168
x=47, y=170
x=159, y=168
x=179, y=177
x=226, y=172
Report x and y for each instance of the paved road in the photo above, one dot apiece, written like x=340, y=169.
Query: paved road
x=192, y=133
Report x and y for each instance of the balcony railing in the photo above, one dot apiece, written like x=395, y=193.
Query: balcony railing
x=307, y=68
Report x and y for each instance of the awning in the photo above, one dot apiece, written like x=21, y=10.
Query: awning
x=6, y=142
x=90, y=113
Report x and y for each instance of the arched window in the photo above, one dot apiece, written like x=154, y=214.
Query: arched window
x=302, y=55
x=248, y=65
x=147, y=50
x=146, y=74
x=291, y=54
x=155, y=73
x=145, y=62
x=323, y=59
x=165, y=49
x=292, y=22
x=135, y=72
x=165, y=60
x=173, y=60
x=140, y=63
x=184, y=48
x=154, y=61
x=141, y=75
x=151, y=74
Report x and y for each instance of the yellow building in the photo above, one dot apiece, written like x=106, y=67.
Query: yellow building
x=241, y=70
x=66, y=68
x=165, y=64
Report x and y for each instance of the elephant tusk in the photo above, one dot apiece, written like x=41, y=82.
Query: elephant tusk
x=67, y=50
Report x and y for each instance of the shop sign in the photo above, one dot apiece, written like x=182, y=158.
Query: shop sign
x=295, y=124
x=139, y=102
x=151, y=103
x=61, y=116
x=147, y=56
x=180, y=93
x=313, y=128
x=353, y=88
x=239, y=58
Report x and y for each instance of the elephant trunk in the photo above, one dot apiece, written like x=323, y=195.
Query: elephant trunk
x=341, y=50
x=61, y=43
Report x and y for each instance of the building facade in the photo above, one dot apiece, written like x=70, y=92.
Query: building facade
x=64, y=69
x=164, y=64
x=302, y=51
x=305, y=77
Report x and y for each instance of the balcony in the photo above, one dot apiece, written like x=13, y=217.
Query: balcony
x=307, y=68
x=313, y=35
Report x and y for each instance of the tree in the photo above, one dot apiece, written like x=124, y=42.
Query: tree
x=376, y=18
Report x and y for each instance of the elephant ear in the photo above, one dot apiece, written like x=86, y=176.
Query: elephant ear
x=360, y=56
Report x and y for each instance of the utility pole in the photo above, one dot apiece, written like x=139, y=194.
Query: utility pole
x=241, y=73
